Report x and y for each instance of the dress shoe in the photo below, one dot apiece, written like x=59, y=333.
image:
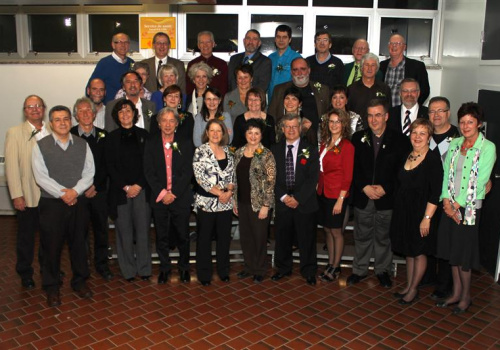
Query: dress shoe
x=278, y=275
x=438, y=295
x=258, y=278
x=130, y=279
x=224, y=278
x=205, y=283
x=311, y=280
x=399, y=295
x=353, y=279
x=163, y=277
x=384, y=280
x=243, y=274
x=107, y=275
x=28, y=283
x=409, y=302
x=145, y=278
x=53, y=299
x=184, y=276
x=84, y=292
x=459, y=311
x=445, y=304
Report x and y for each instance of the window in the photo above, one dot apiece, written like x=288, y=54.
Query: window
x=410, y=5
x=418, y=34
x=266, y=25
x=277, y=2
x=8, y=41
x=344, y=3
x=344, y=31
x=52, y=33
x=103, y=27
x=223, y=26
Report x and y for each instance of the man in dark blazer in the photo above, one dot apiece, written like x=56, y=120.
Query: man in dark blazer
x=132, y=84
x=261, y=64
x=379, y=151
x=297, y=172
x=95, y=197
x=352, y=71
x=161, y=47
x=401, y=117
x=315, y=96
x=412, y=69
x=168, y=167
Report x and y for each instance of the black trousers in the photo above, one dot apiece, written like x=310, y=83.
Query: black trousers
x=172, y=225
x=218, y=223
x=288, y=222
x=28, y=222
x=97, y=215
x=60, y=223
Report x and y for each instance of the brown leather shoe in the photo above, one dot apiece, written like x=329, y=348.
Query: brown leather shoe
x=84, y=292
x=53, y=299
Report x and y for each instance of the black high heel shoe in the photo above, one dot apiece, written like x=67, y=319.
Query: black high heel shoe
x=404, y=302
x=324, y=275
x=336, y=272
x=459, y=311
x=444, y=304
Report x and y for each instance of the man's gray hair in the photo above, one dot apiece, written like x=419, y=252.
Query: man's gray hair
x=370, y=56
x=167, y=110
x=206, y=32
x=84, y=100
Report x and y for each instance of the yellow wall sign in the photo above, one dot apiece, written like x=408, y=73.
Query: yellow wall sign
x=152, y=25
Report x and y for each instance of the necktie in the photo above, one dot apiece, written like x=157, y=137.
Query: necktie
x=356, y=72
x=290, y=174
x=245, y=60
x=406, y=124
x=158, y=85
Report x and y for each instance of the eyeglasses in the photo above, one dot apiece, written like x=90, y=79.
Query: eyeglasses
x=213, y=99
x=34, y=106
x=291, y=127
x=437, y=111
x=406, y=91
x=322, y=40
x=396, y=43
x=334, y=121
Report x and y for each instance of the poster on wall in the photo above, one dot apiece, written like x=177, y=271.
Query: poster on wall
x=149, y=26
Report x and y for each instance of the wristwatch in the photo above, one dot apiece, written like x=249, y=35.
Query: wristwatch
x=427, y=217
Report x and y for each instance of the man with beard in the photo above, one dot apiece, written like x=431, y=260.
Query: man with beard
x=96, y=91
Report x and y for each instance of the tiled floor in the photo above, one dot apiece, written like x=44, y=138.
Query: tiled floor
x=287, y=314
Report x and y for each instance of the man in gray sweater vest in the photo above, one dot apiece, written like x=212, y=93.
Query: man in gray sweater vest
x=64, y=168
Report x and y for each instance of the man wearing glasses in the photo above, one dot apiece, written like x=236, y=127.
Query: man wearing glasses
x=352, y=71
x=325, y=68
x=23, y=189
x=398, y=67
x=110, y=68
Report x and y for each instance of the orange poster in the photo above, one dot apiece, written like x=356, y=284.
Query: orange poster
x=151, y=25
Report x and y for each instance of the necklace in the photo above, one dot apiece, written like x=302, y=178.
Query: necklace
x=413, y=158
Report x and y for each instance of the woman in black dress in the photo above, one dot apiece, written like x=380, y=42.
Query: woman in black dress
x=417, y=195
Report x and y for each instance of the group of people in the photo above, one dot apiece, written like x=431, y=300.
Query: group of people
x=150, y=142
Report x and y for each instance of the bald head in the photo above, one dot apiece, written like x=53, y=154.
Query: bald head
x=360, y=48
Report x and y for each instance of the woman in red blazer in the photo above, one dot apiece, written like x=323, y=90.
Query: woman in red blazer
x=336, y=164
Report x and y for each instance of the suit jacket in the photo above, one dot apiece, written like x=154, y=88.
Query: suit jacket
x=20, y=180
x=306, y=177
x=394, y=121
x=97, y=145
x=151, y=83
x=350, y=66
x=182, y=171
x=416, y=70
x=380, y=171
x=321, y=95
x=262, y=69
x=148, y=110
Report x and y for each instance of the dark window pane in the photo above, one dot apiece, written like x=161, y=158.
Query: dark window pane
x=491, y=43
x=52, y=33
x=344, y=3
x=278, y=2
x=224, y=28
x=408, y=4
x=344, y=31
x=8, y=33
x=418, y=34
x=103, y=27
x=266, y=25
x=229, y=2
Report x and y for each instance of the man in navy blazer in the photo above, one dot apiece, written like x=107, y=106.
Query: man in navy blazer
x=168, y=167
x=409, y=67
x=378, y=152
x=261, y=64
x=296, y=202
x=400, y=117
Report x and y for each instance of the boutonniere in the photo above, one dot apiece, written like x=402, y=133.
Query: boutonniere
x=33, y=133
x=149, y=113
x=250, y=61
x=100, y=135
x=331, y=67
x=221, y=118
x=366, y=139
x=258, y=152
x=383, y=146
x=336, y=149
x=231, y=103
x=450, y=138
x=380, y=94
x=175, y=146
x=131, y=66
x=182, y=116
x=232, y=149
x=305, y=153
x=279, y=67
x=303, y=161
x=317, y=85
x=215, y=71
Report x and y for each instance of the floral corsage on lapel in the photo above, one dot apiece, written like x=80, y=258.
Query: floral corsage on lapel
x=231, y=103
x=232, y=150
x=279, y=67
x=215, y=71
x=336, y=149
x=182, y=116
x=305, y=155
x=149, y=114
x=33, y=133
x=221, y=118
x=331, y=66
x=258, y=152
x=100, y=135
x=174, y=145
x=318, y=86
x=366, y=139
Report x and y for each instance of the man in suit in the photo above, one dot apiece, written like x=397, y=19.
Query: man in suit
x=95, y=197
x=325, y=68
x=379, y=151
x=161, y=47
x=352, y=71
x=401, y=117
x=132, y=83
x=168, y=167
x=96, y=91
x=297, y=172
x=23, y=189
x=315, y=96
x=110, y=68
x=398, y=67
x=261, y=64
x=63, y=167
x=206, y=44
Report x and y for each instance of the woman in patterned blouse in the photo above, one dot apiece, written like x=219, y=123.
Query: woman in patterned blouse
x=213, y=166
